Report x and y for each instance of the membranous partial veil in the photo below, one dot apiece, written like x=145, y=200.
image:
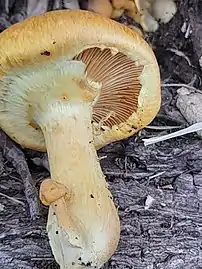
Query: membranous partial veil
x=119, y=76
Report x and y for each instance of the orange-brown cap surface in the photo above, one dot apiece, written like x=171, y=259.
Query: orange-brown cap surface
x=115, y=56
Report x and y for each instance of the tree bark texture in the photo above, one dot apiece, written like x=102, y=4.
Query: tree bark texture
x=158, y=189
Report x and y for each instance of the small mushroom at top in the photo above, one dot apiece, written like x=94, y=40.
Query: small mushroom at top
x=111, y=9
x=148, y=13
x=163, y=10
x=98, y=82
x=151, y=12
x=103, y=7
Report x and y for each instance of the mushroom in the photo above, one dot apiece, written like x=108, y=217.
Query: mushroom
x=145, y=12
x=103, y=7
x=72, y=81
x=163, y=10
x=143, y=15
x=111, y=9
x=150, y=12
x=122, y=5
x=114, y=9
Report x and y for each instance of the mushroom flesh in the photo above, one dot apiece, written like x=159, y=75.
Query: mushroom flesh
x=72, y=81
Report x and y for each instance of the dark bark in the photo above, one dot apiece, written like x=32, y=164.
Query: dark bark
x=158, y=188
x=192, y=10
x=16, y=157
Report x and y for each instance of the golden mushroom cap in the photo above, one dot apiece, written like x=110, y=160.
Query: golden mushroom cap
x=115, y=56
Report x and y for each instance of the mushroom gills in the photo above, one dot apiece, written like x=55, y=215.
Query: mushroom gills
x=120, y=80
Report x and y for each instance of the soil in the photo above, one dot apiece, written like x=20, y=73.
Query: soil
x=158, y=188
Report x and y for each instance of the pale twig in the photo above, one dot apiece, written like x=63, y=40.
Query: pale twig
x=42, y=258
x=180, y=54
x=102, y=157
x=182, y=85
x=157, y=175
x=193, y=128
x=12, y=199
x=163, y=127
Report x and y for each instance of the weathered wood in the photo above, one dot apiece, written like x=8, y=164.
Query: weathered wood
x=166, y=235
x=158, y=188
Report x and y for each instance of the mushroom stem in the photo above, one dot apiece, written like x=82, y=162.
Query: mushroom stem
x=68, y=135
x=91, y=222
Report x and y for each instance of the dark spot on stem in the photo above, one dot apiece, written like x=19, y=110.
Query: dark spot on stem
x=79, y=258
x=90, y=141
x=56, y=232
x=91, y=196
x=54, y=42
x=46, y=53
x=73, y=263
